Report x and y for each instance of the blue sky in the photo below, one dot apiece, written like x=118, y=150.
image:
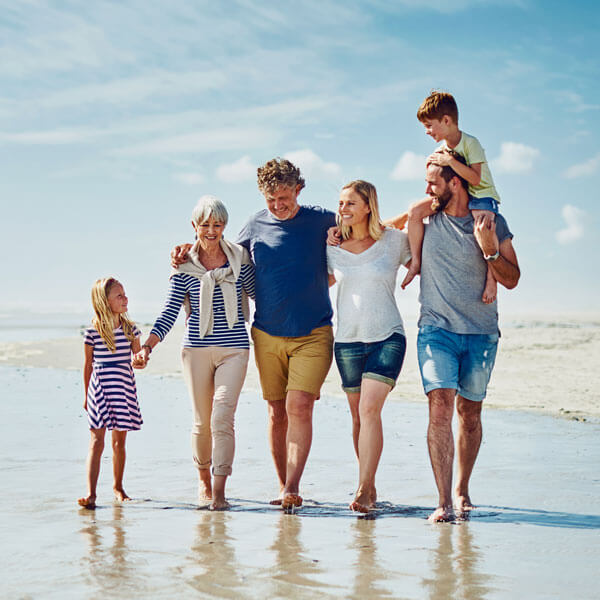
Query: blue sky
x=116, y=117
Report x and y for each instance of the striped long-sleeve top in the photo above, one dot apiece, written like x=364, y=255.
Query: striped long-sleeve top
x=182, y=285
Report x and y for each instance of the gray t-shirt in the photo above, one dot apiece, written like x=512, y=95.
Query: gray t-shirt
x=453, y=274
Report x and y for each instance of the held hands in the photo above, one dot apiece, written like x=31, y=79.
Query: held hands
x=179, y=254
x=140, y=360
x=484, y=230
x=334, y=236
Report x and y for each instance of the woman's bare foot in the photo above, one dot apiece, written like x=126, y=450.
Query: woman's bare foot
x=204, y=485
x=87, y=502
x=373, y=498
x=291, y=501
x=219, y=504
x=363, y=500
x=442, y=514
x=120, y=495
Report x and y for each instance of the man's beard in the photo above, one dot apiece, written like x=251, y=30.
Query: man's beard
x=439, y=203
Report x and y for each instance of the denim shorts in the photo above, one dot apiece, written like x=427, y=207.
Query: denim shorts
x=483, y=204
x=381, y=361
x=462, y=362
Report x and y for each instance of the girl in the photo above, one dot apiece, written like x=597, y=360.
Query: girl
x=109, y=384
x=369, y=342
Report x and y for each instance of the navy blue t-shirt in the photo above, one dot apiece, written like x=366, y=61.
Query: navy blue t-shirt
x=292, y=292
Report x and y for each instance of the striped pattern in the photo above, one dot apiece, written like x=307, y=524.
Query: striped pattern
x=112, y=395
x=182, y=284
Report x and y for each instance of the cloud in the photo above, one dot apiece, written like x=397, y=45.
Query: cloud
x=589, y=167
x=410, y=167
x=237, y=171
x=189, y=178
x=515, y=158
x=50, y=137
x=314, y=166
x=573, y=231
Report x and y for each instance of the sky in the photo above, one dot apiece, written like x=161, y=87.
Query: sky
x=115, y=117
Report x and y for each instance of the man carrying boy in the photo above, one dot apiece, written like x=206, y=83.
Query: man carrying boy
x=458, y=334
x=439, y=115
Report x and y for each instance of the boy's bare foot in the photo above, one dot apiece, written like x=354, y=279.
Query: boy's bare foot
x=410, y=275
x=87, y=502
x=120, y=495
x=442, y=514
x=490, y=291
x=291, y=501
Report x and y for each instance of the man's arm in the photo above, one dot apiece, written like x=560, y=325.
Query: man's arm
x=506, y=267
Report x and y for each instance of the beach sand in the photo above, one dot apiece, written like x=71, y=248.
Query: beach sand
x=535, y=533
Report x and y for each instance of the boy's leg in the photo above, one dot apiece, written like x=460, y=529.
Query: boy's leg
x=490, y=290
x=93, y=467
x=416, y=231
x=118, y=446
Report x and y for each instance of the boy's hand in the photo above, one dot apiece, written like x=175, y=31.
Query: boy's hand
x=334, y=236
x=179, y=254
x=441, y=159
x=140, y=360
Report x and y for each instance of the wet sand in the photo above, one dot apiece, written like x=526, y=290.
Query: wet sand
x=534, y=535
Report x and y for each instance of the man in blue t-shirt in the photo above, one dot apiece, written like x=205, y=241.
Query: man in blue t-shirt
x=292, y=333
x=458, y=332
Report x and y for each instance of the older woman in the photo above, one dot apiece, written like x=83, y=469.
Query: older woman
x=369, y=342
x=213, y=285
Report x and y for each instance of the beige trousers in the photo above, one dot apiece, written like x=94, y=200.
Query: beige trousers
x=214, y=377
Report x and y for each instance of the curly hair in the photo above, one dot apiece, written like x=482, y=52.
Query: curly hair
x=436, y=105
x=277, y=172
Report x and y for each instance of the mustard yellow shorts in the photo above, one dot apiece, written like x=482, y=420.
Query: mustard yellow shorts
x=292, y=363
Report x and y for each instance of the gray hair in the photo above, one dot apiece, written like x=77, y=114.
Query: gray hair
x=207, y=207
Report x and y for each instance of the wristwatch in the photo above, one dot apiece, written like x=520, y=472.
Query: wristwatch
x=492, y=257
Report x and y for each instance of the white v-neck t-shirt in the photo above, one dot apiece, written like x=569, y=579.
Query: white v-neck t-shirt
x=366, y=305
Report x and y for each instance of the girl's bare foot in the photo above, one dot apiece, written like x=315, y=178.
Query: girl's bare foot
x=204, y=485
x=463, y=503
x=120, y=495
x=87, y=502
x=291, y=501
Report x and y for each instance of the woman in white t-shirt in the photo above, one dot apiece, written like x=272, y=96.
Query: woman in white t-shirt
x=369, y=342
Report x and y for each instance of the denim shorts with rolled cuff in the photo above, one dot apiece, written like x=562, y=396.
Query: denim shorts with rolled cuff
x=462, y=362
x=381, y=361
x=487, y=203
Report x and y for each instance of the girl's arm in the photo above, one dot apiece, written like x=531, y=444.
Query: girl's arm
x=88, y=359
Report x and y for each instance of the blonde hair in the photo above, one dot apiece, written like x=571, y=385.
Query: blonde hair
x=103, y=321
x=368, y=193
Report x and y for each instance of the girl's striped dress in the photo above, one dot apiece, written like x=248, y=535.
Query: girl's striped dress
x=112, y=395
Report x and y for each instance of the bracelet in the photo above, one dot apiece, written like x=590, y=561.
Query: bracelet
x=492, y=257
x=149, y=348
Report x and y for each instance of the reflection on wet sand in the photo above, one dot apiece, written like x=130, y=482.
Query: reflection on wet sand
x=109, y=565
x=371, y=579
x=454, y=571
x=293, y=571
x=213, y=552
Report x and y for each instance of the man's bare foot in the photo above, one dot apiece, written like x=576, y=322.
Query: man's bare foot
x=120, y=495
x=490, y=291
x=87, y=502
x=442, y=514
x=219, y=504
x=462, y=503
x=291, y=501
x=410, y=275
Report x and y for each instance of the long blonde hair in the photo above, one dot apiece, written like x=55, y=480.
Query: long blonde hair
x=368, y=193
x=103, y=321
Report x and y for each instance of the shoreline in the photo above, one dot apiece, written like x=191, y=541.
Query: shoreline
x=542, y=367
